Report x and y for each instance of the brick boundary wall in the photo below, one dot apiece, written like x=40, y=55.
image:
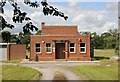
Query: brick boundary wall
x=16, y=51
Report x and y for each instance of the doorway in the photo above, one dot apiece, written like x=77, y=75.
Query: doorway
x=60, y=51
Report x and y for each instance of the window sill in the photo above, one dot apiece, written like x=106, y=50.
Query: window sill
x=72, y=52
x=38, y=52
x=82, y=52
x=48, y=52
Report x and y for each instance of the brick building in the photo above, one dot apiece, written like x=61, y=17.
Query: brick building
x=59, y=42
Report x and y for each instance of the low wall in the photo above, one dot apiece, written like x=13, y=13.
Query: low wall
x=16, y=51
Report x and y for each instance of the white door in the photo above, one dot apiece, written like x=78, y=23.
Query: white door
x=3, y=53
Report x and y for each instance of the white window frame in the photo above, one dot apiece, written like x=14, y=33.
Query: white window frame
x=48, y=47
x=38, y=47
x=72, y=47
x=82, y=47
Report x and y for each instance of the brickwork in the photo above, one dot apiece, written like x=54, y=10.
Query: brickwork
x=16, y=52
x=59, y=34
x=59, y=30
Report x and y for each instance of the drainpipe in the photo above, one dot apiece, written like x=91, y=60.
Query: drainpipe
x=91, y=49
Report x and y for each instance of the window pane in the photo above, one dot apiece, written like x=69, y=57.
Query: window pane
x=82, y=44
x=48, y=49
x=37, y=45
x=37, y=49
x=82, y=49
x=48, y=45
x=71, y=49
x=71, y=44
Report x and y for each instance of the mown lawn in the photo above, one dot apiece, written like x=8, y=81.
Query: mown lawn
x=105, y=70
x=19, y=73
x=11, y=61
x=103, y=54
x=97, y=72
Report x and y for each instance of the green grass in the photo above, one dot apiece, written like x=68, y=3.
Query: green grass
x=101, y=72
x=19, y=73
x=106, y=70
x=11, y=61
x=104, y=52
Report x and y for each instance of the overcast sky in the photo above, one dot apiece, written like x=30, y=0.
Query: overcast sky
x=88, y=16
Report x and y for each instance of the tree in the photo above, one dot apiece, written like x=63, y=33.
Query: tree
x=20, y=17
x=84, y=33
x=97, y=40
x=13, y=38
x=22, y=38
x=110, y=42
x=6, y=36
x=39, y=32
x=26, y=40
x=115, y=34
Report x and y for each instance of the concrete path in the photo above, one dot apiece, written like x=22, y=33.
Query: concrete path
x=49, y=68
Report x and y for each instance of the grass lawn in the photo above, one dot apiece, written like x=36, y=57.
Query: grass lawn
x=103, y=54
x=11, y=61
x=97, y=72
x=106, y=70
x=19, y=73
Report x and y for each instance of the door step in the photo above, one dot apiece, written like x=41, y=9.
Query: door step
x=60, y=60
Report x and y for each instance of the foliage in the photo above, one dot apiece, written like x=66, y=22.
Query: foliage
x=6, y=35
x=84, y=33
x=4, y=24
x=22, y=39
x=13, y=38
x=50, y=10
x=107, y=40
x=19, y=73
x=20, y=17
x=39, y=32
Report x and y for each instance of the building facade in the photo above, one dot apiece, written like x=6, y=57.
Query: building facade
x=59, y=42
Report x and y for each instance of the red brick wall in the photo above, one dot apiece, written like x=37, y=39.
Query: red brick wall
x=59, y=30
x=72, y=39
x=50, y=33
x=16, y=52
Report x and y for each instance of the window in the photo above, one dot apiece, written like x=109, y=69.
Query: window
x=38, y=48
x=82, y=48
x=48, y=48
x=72, y=48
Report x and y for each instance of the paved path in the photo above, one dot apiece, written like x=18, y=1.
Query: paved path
x=48, y=69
